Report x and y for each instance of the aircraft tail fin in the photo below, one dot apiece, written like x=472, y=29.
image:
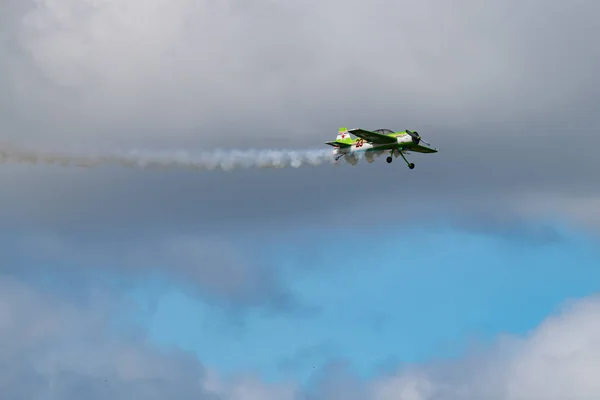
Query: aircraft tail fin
x=342, y=140
x=342, y=134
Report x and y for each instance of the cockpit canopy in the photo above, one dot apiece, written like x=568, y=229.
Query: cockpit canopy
x=384, y=131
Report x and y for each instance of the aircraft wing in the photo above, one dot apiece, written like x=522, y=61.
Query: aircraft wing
x=419, y=148
x=372, y=137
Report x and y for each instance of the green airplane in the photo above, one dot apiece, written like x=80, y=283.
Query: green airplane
x=372, y=144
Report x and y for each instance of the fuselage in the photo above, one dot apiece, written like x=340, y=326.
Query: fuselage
x=370, y=150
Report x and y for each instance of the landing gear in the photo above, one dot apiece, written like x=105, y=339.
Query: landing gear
x=410, y=165
x=389, y=159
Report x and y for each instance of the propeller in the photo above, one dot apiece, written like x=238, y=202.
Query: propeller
x=416, y=137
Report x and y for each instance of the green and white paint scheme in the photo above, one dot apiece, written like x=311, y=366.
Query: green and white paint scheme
x=372, y=144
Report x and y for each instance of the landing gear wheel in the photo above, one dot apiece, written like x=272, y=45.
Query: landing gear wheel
x=389, y=160
x=411, y=165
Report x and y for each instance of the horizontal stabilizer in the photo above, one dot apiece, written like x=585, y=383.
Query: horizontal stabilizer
x=338, y=144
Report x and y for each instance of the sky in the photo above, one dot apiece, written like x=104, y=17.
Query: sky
x=472, y=276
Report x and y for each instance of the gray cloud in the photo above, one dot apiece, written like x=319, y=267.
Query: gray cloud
x=501, y=103
x=507, y=95
x=507, y=90
x=273, y=70
x=214, y=268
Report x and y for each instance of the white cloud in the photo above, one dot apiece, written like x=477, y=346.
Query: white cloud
x=559, y=359
x=60, y=350
x=64, y=350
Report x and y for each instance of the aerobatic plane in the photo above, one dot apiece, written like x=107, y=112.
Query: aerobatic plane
x=372, y=144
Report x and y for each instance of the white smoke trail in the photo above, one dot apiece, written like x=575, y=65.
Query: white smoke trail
x=218, y=159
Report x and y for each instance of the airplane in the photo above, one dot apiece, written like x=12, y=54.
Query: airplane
x=374, y=143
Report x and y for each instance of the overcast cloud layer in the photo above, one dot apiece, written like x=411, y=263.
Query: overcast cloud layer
x=507, y=91
x=203, y=70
